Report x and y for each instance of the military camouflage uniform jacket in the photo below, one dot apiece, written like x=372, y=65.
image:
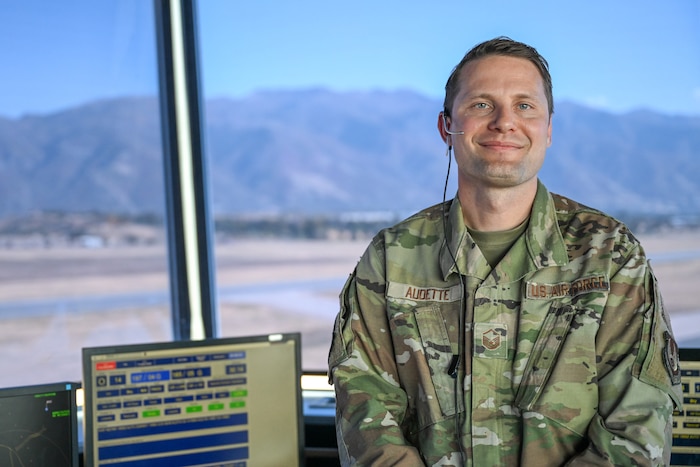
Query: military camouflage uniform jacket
x=567, y=355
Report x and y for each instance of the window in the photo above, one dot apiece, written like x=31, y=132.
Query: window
x=83, y=258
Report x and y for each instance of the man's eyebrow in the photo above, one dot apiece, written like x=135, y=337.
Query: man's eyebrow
x=487, y=95
x=526, y=95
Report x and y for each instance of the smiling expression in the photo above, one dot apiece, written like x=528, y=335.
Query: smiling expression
x=502, y=109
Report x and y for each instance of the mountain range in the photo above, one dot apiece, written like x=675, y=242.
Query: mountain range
x=318, y=151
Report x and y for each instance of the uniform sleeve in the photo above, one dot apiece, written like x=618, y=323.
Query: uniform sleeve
x=370, y=405
x=639, y=377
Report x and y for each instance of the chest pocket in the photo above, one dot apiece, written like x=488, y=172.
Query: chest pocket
x=438, y=354
x=544, y=355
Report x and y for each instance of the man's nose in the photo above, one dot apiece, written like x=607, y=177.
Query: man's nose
x=503, y=119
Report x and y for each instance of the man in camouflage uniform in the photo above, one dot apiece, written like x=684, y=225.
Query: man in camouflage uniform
x=508, y=326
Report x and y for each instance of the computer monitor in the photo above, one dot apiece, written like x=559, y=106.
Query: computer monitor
x=232, y=401
x=686, y=423
x=39, y=425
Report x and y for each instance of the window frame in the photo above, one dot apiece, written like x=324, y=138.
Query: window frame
x=188, y=223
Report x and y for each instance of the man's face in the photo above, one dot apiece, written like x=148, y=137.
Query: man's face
x=502, y=109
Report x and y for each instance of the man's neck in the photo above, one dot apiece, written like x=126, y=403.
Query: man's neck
x=496, y=209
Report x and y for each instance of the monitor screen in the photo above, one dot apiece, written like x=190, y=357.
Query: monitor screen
x=39, y=425
x=686, y=423
x=229, y=402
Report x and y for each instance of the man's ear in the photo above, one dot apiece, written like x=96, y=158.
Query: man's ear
x=442, y=128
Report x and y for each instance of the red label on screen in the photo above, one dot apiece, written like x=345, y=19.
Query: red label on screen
x=105, y=366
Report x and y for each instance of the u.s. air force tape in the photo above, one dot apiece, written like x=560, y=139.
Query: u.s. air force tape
x=544, y=291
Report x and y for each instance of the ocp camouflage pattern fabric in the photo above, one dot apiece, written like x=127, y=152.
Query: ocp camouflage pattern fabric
x=567, y=355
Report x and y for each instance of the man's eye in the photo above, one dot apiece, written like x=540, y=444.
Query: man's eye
x=524, y=106
x=481, y=105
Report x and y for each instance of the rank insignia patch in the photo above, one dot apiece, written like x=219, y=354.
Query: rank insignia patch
x=491, y=340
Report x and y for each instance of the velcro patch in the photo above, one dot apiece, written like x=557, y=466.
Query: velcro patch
x=541, y=291
x=671, y=358
x=424, y=294
x=491, y=340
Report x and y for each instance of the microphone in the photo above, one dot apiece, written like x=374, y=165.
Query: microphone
x=454, y=366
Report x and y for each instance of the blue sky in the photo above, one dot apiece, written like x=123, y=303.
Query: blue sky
x=614, y=55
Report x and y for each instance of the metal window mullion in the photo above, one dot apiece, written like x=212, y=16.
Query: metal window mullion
x=189, y=233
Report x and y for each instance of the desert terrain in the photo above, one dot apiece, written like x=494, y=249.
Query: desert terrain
x=54, y=302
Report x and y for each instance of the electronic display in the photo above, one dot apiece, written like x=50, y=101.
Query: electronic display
x=686, y=423
x=232, y=402
x=39, y=426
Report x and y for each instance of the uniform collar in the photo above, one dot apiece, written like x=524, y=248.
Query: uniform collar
x=545, y=243
x=544, y=240
x=456, y=236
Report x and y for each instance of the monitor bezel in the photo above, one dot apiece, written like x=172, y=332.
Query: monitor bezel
x=89, y=352
x=689, y=353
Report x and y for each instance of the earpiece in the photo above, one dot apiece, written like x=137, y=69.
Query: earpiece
x=444, y=121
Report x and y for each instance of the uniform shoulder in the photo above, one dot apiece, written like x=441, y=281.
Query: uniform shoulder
x=582, y=223
x=418, y=227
